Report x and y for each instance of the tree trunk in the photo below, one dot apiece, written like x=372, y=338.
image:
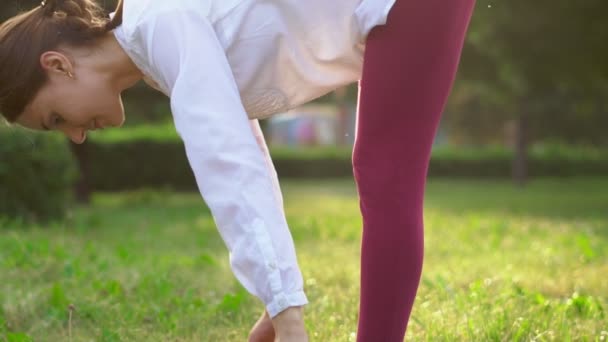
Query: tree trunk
x=520, y=162
x=82, y=190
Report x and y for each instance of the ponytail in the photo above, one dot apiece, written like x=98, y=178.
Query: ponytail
x=117, y=19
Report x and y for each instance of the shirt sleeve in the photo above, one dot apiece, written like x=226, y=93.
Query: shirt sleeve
x=261, y=141
x=227, y=154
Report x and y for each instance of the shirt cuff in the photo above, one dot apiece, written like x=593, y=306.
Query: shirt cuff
x=283, y=301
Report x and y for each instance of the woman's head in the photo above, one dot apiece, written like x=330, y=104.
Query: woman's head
x=51, y=74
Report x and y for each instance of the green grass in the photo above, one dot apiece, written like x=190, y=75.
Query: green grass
x=501, y=264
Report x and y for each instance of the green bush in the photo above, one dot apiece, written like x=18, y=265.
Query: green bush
x=139, y=164
x=156, y=132
x=152, y=155
x=149, y=163
x=37, y=172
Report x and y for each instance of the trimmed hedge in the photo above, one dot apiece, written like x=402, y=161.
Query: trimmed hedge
x=138, y=164
x=147, y=163
x=37, y=172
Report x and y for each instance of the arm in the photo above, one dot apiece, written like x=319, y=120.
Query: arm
x=232, y=168
x=261, y=141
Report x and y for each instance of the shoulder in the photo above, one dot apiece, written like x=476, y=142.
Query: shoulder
x=139, y=13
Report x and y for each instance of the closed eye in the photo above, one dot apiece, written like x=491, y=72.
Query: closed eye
x=55, y=120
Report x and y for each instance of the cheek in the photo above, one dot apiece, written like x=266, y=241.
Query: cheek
x=80, y=104
x=102, y=103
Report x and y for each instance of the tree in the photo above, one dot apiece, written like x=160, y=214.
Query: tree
x=522, y=57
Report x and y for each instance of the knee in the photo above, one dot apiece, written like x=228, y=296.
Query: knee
x=381, y=174
x=389, y=172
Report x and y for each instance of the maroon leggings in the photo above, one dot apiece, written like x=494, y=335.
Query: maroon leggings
x=409, y=68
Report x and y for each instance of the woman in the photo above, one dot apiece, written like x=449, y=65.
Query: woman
x=227, y=63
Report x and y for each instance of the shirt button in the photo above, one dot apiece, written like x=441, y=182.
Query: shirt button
x=272, y=265
x=283, y=302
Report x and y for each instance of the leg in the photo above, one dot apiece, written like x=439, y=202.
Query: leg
x=409, y=68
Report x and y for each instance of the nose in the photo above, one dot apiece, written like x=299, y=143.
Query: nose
x=77, y=134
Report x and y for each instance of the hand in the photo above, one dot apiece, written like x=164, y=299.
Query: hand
x=289, y=325
x=263, y=330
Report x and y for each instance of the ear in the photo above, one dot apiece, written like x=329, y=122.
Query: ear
x=55, y=63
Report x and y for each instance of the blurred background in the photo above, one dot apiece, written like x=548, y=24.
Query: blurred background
x=530, y=100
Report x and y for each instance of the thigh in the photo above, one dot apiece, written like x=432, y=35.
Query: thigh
x=409, y=67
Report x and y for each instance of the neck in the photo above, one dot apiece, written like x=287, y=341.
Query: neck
x=113, y=61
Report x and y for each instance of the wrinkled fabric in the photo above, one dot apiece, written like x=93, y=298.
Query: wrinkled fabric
x=224, y=64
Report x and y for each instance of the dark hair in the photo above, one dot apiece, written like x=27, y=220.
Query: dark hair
x=26, y=36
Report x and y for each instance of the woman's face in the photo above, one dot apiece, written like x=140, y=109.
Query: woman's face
x=75, y=99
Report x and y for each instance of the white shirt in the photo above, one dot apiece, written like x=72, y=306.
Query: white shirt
x=226, y=63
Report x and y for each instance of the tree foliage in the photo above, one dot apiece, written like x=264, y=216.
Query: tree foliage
x=544, y=59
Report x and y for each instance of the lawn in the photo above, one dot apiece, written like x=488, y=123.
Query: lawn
x=501, y=264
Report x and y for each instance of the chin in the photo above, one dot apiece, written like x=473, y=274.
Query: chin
x=121, y=122
x=122, y=116
x=117, y=120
